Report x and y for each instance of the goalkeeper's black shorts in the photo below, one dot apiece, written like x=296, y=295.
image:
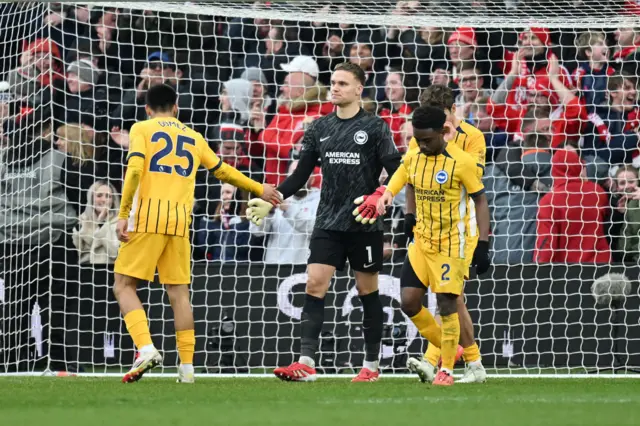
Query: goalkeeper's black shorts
x=364, y=250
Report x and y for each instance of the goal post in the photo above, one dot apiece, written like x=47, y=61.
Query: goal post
x=72, y=83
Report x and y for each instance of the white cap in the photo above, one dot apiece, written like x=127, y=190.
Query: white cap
x=4, y=86
x=305, y=64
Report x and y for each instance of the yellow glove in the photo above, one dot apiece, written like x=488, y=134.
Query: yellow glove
x=258, y=209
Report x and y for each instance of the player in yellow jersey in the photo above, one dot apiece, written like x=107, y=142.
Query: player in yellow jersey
x=154, y=219
x=471, y=140
x=443, y=176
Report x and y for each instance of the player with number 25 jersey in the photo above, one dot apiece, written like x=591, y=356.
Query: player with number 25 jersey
x=153, y=224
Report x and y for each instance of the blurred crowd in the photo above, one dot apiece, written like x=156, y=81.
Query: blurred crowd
x=559, y=111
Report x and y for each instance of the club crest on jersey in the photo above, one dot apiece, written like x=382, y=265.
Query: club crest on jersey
x=361, y=137
x=442, y=176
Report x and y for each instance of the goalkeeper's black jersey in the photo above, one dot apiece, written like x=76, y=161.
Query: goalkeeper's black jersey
x=352, y=153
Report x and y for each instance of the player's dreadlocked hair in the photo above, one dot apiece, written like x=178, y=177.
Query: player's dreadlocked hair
x=428, y=117
x=438, y=96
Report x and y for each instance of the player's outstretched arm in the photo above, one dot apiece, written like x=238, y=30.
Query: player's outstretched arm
x=233, y=176
x=259, y=209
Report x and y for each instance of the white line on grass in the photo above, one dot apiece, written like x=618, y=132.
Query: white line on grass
x=470, y=399
x=326, y=376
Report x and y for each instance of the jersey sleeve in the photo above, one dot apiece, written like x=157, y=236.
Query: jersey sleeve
x=401, y=177
x=478, y=148
x=470, y=176
x=137, y=143
x=386, y=145
x=310, y=141
x=208, y=158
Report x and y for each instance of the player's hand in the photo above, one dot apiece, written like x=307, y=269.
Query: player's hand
x=258, y=209
x=121, y=230
x=481, y=257
x=270, y=194
x=384, y=202
x=409, y=224
x=367, y=210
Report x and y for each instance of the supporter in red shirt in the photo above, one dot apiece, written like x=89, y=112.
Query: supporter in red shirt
x=571, y=216
x=401, y=93
x=628, y=41
x=301, y=97
x=527, y=75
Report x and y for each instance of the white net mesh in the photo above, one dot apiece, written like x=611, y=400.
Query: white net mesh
x=534, y=77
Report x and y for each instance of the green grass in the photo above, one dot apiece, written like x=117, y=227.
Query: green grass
x=78, y=401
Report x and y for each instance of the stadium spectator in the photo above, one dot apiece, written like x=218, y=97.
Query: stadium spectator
x=82, y=101
x=440, y=76
x=288, y=228
x=225, y=235
x=471, y=84
x=39, y=70
x=571, y=217
x=611, y=131
x=194, y=94
x=260, y=94
x=332, y=52
x=362, y=53
x=526, y=80
x=463, y=49
x=301, y=97
x=430, y=52
x=96, y=238
x=273, y=52
x=37, y=253
x=591, y=75
x=401, y=98
x=245, y=36
x=624, y=230
x=67, y=25
x=235, y=101
x=515, y=182
x=627, y=41
x=85, y=161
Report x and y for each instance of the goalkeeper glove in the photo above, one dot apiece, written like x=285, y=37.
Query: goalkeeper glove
x=481, y=257
x=409, y=224
x=257, y=210
x=367, y=210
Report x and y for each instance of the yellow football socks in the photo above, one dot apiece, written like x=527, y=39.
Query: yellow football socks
x=432, y=355
x=427, y=326
x=450, y=338
x=138, y=328
x=186, y=342
x=471, y=353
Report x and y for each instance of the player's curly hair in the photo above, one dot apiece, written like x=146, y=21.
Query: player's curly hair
x=438, y=96
x=428, y=117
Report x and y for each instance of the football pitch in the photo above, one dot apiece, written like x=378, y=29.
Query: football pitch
x=82, y=401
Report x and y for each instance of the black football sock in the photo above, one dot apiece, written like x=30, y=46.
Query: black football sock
x=311, y=325
x=372, y=325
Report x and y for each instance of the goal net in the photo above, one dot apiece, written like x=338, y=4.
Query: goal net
x=552, y=85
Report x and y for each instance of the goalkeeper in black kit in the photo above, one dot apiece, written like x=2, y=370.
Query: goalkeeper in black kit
x=353, y=147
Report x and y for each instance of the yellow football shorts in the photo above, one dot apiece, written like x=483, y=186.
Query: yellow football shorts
x=441, y=273
x=140, y=256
